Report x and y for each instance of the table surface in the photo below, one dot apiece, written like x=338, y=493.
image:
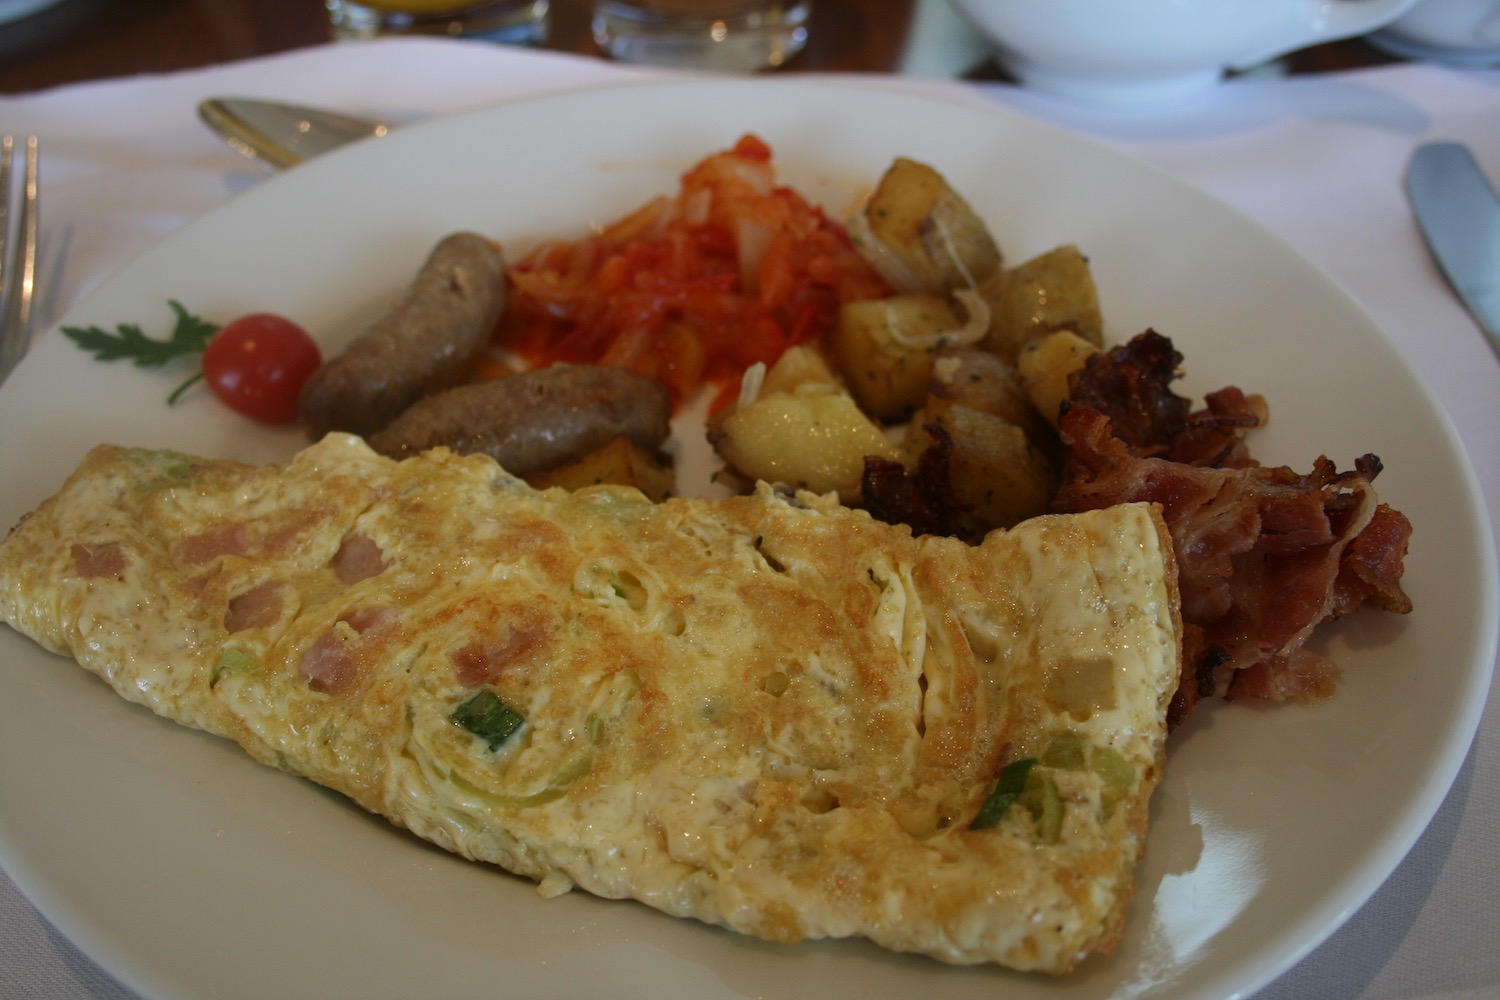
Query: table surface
x=99, y=39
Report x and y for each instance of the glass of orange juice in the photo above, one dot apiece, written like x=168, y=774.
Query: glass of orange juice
x=522, y=22
x=729, y=35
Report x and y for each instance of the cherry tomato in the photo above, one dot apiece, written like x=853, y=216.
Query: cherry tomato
x=256, y=365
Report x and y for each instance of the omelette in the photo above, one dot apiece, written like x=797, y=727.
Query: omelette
x=767, y=712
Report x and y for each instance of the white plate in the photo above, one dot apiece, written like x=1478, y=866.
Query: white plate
x=189, y=871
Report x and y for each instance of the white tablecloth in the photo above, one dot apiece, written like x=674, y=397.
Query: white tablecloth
x=1318, y=160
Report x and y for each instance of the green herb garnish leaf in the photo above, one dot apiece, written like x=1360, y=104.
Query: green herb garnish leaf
x=190, y=335
x=1009, y=788
x=489, y=718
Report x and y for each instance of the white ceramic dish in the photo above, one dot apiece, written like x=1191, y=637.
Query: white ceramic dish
x=14, y=10
x=1105, y=53
x=189, y=871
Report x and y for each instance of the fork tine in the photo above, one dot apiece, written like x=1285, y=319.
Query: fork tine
x=28, y=227
x=20, y=284
x=7, y=145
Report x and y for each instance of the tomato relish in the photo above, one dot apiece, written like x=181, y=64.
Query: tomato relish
x=693, y=289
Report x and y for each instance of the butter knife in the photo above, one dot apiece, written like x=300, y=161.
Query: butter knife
x=1459, y=215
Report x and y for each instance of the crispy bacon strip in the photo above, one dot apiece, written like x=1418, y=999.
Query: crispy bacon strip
x=1264, y=554
x=1132, y=386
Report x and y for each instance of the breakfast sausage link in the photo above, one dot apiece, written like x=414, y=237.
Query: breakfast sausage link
x=425, y=344
x=535, y=420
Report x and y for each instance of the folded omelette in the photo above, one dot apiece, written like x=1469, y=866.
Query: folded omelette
x=770, y=712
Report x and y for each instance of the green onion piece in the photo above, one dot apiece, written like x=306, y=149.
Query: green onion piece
x=1117, y=775
x=1111, y=766
x=1065, y=751
x=1012, y=782
x=489, y=718
x=1041, y=799
x=234, y=661
x=572, y=769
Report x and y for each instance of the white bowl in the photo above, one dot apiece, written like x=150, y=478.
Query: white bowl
x=1139, y=51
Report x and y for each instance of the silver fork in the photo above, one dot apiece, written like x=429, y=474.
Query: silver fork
x=18, y=261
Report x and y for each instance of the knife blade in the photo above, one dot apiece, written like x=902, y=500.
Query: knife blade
x=1459, y=215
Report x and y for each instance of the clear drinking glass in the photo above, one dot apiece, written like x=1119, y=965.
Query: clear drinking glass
x=521, y=22
x=731, y=35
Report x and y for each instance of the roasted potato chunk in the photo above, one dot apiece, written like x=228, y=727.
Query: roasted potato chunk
x=884, y=348
x=988, y=383
x=1050, y=292
x=803, y=429
x=809, y=439
x=800, y=365
x=801, y=368
x=994, y=469
x=1045, y=365
x=923, y=233
x=621, y=462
